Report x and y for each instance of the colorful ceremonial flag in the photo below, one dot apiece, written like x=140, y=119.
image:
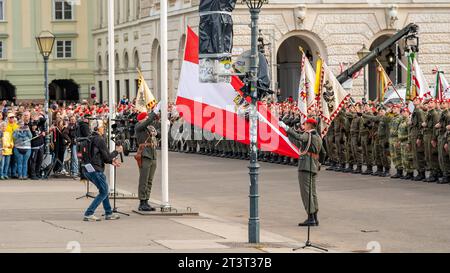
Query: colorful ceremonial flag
x=306, y=94
x=220, y=108
x=332, y=98
x=144, y=99
x=383, y=83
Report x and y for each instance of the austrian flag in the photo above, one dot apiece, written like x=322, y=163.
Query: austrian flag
x=218, y=107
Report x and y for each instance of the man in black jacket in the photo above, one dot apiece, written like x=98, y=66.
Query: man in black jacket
x=99, y=157
x=37, y=127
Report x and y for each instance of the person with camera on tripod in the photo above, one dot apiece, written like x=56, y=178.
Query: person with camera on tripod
x=146, y=156
x=94, y=168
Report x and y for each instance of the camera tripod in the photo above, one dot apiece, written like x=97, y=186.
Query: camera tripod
x=115, y=209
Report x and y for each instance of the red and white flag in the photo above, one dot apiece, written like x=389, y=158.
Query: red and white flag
x=421, y=83
x=218, y=107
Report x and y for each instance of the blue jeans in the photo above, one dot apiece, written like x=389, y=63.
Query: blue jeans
x=74, y=161
x=5, y=165
x=99, y=180
x=22, y=162
x=1, y=165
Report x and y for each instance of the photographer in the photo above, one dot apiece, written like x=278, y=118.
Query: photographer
x=37, y=128
x=94, y=171
x=71, y=133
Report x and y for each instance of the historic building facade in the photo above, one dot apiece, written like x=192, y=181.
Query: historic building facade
x=334, y=29
x=72, y=62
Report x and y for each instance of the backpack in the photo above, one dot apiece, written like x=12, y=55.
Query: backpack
x=84, y=149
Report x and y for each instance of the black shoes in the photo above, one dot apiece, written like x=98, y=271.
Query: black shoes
x=145, y=206
x=398, y=175
x=420, y=176
x=358, y=170
x=443, y=180
x=408, y=176
x=369, y=171
x=431, y=179
x=311, y=221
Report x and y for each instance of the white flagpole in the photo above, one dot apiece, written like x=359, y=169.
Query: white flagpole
x=164, y=110
x=112, y=81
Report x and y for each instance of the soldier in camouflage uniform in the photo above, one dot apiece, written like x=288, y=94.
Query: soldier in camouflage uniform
x=339, y=141
x=365, y=125
x=381, y=141
x=417, y=144
x=347, y=141
x=331, y=149
x=405, y=143
x=430, y=141
x=441, y=127
x=355, y=115
x=394, y=145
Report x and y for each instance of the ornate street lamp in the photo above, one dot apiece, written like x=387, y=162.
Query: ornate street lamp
x=45, y=42
x=391, y=60
x=361, y=55
x=254, y=7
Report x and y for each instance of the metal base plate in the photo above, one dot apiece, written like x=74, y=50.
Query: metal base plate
x=167, y=212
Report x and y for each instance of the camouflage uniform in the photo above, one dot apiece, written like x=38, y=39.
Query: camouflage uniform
x=394, y=147
x=431, y=154
x=355, y=141
x=444, y=160
x=339, y=140
x=406, y=152
x=417, y=118
x=364, y=134
x=348, y=143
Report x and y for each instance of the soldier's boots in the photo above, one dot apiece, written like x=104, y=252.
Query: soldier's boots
x=408, y=176
x=444, y=180
x=145, y=206
x=311, y=221
x=420, y=176
x=316, y=218
x=332, y=166
x=386, y=173
x=379, y=171
x=431, y=179
x=287, y=160
x=340, y=168
x=349, y=169
x=358, y=169
x=398, y=175
x=369, y=170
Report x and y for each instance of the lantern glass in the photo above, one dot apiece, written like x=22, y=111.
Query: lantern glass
x=363, y=52
x=45, y=42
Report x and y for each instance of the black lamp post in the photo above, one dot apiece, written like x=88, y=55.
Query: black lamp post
x=253, y=223
x=45, y=42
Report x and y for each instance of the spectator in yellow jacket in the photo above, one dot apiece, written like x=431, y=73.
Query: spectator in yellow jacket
x=7, y=151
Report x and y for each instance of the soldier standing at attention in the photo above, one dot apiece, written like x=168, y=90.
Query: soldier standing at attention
x=348, y=143
x=405, y=142
x=146, y=139
x=441, y=127
x=339, y=141
x=430, y=140
x=308, y=166
x=355, y=115
x=381, y=142
x=394, y=145
x=364, y=133
x=417, y=144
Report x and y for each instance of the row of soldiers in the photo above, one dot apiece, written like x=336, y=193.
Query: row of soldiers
x=184, y=137
x=391, y=135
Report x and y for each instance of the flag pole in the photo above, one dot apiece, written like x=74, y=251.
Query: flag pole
x=112, y=80
x=164, y=111
x=389, y=79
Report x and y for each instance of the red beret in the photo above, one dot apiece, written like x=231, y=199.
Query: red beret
x=142, y=116
x=311, y=121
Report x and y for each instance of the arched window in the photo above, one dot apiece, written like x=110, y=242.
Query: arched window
x=137, y=63
x=99, y=63
x=117, y=64
x=126, y=64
